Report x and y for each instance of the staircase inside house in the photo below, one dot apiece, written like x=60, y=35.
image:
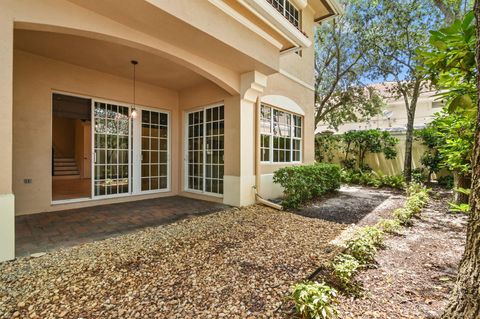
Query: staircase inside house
x=65, y=167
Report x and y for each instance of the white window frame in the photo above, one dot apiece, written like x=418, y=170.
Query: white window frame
x=292, y=136
x=286, y=14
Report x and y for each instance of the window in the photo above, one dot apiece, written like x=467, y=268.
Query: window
x=281, y=136
x=288, y=10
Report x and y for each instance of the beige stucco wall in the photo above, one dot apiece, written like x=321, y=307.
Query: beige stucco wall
x=301, y=66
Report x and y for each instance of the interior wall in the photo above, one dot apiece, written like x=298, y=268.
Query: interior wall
x=63, y=136
x=83, y=148
x=35, y=78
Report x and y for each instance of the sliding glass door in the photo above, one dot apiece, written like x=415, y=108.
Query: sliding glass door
x=205, y=141
x=130, y=155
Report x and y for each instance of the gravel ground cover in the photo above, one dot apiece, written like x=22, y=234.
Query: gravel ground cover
x=350, y=204
x=415, y=272
x=239, y=263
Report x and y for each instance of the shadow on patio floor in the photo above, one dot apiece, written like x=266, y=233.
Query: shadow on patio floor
x=47, y=231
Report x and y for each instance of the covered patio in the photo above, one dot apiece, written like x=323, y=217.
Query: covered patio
x=49, y=231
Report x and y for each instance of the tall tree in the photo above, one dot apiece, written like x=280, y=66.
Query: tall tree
x=465, y=302
x=450, y=62
x=453, y=9
x=396, y=28
x=340, y=68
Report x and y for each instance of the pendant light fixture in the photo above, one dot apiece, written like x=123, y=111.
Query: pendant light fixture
x=133, y=114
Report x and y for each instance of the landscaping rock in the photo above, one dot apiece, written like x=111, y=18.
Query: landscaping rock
x=238, y=263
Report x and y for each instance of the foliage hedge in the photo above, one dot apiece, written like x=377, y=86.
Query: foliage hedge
x=373, y=179
x=302, y=183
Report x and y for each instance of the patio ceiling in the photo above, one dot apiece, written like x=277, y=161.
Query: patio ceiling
x=107, y=57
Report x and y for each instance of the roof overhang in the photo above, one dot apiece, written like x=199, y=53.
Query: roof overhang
x=325, y=9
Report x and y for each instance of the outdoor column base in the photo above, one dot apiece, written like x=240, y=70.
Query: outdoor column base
x=239, y=190
x=7, y=227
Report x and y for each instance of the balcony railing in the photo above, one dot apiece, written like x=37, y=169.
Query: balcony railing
x=289, y=11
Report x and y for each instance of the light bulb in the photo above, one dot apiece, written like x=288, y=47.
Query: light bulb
x=133, y=114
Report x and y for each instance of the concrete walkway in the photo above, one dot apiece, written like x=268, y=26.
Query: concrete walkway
x=48, y=231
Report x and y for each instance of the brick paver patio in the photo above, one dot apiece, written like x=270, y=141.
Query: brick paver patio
x=48, y=231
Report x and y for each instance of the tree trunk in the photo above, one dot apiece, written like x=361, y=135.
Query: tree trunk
x=465, y=302
x=461, y=181
x=407, y=165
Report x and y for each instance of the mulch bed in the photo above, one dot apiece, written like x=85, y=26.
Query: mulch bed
x=415, y=272
x=351, y=204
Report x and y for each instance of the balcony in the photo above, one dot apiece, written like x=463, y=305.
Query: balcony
x=289, y=12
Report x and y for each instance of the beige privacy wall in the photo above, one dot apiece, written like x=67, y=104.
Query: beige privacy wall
x=379, y=163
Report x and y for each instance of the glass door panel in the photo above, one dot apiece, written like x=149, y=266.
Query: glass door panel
x=205, y=150
x=214, y=150
x=111, y=149
x=154, y=171
x=195, y=150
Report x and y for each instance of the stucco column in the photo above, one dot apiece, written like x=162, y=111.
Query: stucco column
x=7, y=212
x=239, y=189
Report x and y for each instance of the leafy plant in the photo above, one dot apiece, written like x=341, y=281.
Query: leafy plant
x=431, y=158
x=314, y=300
x=360, y=143
x=419, y=175
x=446, y=181
x=459, y=208
x=466, y=191
x=326, y=145
x=344, y=268
x=389, y=225
x=363, y=246
x=302, y=183
x=403, y=215
x=373, y=179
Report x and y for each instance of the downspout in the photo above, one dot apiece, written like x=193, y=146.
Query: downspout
x=256, y=188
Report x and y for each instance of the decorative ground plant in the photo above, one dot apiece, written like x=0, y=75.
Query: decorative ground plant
x=372, y=179
x=344, y=268
x=302, y=183
x=362, y=248
x=390, y=226
x=314, y=300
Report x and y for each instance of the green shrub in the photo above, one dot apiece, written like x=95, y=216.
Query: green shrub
x=373, y=233
x=302, y=183
x=314, y=300
x=403, y=215
x=419, y=175
x=344, y=268
x=459, y=208
x=446, y=181
x=389, y=225
x=372, y=179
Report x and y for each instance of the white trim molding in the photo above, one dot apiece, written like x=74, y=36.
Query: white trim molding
x=283, y=103
x=7, y=227
x=263, y=10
